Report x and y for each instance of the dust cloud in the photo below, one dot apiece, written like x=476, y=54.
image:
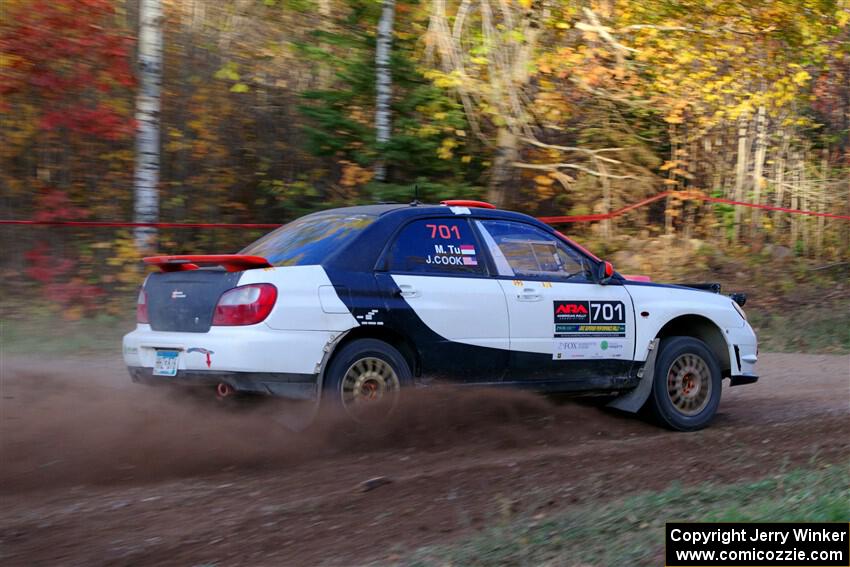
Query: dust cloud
x=69, y=427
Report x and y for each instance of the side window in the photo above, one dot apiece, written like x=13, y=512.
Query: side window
x=439, y=246
x=523, y=250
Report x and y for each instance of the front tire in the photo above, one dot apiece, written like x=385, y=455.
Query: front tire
x=365, y=379
x=686, y=386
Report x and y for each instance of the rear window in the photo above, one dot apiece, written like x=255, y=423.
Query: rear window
x=436, y=246
x=310, y=239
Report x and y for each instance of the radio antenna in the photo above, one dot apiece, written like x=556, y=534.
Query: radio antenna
x=416, y=200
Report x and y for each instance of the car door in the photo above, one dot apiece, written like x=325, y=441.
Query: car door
x=563, y=325
x=438, y=292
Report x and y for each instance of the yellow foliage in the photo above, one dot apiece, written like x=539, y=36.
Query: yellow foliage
x=802, y=77
x=353, y=175
x=446, y=147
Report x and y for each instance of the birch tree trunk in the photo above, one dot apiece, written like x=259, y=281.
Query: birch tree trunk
x=605, y=225
x=758, y=166
x=805, y=189
x=668, y=202
x=821, y=198
x=503, y=171
x=146, y=178
x=740, y=172
x=795, y=190
x=325, y=26
x=779, y=178
x=383, y=83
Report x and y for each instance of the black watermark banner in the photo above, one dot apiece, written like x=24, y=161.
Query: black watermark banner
x=757, y=544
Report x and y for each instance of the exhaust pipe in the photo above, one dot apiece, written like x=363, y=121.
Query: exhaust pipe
x=224, y=390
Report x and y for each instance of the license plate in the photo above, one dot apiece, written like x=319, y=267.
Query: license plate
x=166, y=363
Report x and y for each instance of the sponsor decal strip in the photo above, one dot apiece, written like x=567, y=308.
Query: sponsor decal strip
x=588, y=329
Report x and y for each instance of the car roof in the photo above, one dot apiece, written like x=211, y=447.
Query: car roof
x=401, y=212
x=362, y=253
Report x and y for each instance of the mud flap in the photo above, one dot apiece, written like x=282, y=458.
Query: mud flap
x=635, y=399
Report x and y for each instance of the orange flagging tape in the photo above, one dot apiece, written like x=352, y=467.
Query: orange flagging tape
x=687, y=195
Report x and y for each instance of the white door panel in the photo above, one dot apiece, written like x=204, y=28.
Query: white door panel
x=461, y=309
x=570, y=320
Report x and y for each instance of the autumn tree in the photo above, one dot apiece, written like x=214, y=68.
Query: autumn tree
x=429, y=143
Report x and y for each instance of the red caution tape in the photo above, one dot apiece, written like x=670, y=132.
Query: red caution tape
x=689, y=195
x=603, y=216
x=772, y=208
x=141, y=224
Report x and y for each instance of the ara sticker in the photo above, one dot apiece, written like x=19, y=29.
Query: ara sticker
x=460, y=210
x=202, y=351
x=518, y=283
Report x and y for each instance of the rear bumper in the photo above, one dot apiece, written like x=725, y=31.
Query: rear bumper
x=292, y=386
x=254, y=349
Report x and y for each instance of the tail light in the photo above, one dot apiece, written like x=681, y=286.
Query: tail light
x=142, y=307
x=245, y=305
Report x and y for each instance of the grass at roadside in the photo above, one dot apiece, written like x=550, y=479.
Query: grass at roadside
x=631, y=531
x=55, y=336
x=810, y=329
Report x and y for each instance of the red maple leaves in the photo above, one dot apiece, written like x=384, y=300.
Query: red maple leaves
x=72, y=55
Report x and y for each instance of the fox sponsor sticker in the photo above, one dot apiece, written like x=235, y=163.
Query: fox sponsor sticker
x=581, y=348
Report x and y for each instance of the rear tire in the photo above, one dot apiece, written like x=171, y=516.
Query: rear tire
x=365, y=378
x=686, y=386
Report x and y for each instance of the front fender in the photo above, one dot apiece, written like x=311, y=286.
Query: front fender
x=656, y=306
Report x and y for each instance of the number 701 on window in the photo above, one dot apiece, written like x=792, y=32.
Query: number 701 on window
x=443, y=231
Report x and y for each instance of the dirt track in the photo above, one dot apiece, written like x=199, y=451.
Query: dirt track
x=96, y=470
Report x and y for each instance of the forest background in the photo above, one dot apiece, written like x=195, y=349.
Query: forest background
x=270, y=109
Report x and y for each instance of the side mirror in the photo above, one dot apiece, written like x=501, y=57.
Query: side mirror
x=604, y=272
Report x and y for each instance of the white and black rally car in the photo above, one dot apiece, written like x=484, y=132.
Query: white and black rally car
x=352, y=305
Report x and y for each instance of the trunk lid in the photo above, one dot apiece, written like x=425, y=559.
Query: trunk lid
x=184, y=301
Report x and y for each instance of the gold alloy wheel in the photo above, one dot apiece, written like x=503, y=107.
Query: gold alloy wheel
x=367, y=382
x=689, y=384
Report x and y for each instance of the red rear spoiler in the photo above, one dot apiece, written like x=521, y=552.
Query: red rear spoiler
x=230, y=262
